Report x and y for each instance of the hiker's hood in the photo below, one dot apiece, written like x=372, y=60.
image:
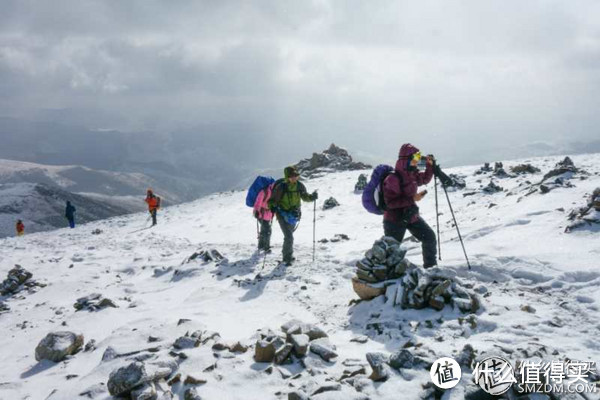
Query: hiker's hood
x=406, y=151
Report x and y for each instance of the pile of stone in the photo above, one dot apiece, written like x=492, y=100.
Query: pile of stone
x=586, y=215
x=296, y=339
x=385, y=271
x=93, y=302
x=361, y=184
x=383, y=365
x=523, y=169
x=330, y=203
x=57, y=346
x=332, y=159
x=486, y=168
x=566, y=166
x=205, y=256
x=17, y=279
x=499, y=170
x=492, y=187
x=193, y=269
x=458, y=182
x=142, y=381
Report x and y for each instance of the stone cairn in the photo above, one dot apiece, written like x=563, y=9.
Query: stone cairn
x=523, y=169
x=296, y=339
x=361, y=183
x=385, y=271
x=15, y=280
x=586, y=215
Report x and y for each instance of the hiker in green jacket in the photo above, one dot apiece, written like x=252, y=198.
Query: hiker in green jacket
x=286, y=202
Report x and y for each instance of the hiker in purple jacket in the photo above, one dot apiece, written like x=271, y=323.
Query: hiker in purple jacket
x=400, y=191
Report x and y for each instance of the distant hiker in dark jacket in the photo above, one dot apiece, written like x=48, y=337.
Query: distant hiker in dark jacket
x=153, y=202
x=70, y=214
x=286, y=202
x=20, y=228
x=400, y=191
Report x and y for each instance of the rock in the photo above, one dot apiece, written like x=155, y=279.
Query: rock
x=15, y=278
x=365, y=290
x=97, y=231
x=378, y=362
x=330, y=387
x=298, y=396
x=145, y=392
x=220, y=346
x=300, y=343
x=362, y=339
x=330, y=203
x=527, y=308
x=190, y=380
x=123, y=380
x=238, y=347
x=283, y=353
x=492, y=188
x=191, y=394
x=90, y=346
x=4, y=307
x=352, y=372
x=323, y=348
x=264, y=351
x=291, y=324
x=332, y=159
x=109, y=354
x=402, y=359
x=186, y=342
x=56, y=346
x=93, y=302
x=314, y=332
x=524, y=169
x=361, y=183
x=467, y=356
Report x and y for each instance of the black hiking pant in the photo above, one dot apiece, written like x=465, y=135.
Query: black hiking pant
x=421, y=231
x=288, y=239
x=153, y=214
x=264, y=238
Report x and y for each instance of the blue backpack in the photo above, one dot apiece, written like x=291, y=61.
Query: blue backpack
x=372, y=196
x=259, y=184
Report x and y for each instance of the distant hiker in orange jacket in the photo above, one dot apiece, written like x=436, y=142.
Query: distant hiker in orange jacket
x=153, y=202
x=20, y=228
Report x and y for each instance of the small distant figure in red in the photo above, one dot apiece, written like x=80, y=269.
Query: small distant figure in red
x=20, y=228
x=153, y=202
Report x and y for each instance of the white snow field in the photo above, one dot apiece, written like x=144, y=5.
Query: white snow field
x=518, y=250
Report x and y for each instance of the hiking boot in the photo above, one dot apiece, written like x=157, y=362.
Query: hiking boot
x=429, y=266
x=290, y=261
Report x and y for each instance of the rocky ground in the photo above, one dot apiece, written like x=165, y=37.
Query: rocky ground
x=189, y=310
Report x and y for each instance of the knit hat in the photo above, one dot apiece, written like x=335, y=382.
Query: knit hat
x=290, y=171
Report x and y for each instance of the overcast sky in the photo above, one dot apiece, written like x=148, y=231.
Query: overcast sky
x=453, y=77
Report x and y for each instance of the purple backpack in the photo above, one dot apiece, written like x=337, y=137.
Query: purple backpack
x=372, y=196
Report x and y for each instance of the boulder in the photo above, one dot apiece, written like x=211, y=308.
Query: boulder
x=378, y=362
x=300, y=343
x=402, y=359
x=123, y=380
x=330, y=203
x=93, y=302
x=365, y=290
x=264, y=351
x=56, y=346
x=323, y=348
x=145, y=392
x=283, y=353
x=191, y=394
x=186, y=342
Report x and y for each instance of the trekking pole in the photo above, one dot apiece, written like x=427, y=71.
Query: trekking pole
x=437, y=218
x=314, y=228
x=456, y=224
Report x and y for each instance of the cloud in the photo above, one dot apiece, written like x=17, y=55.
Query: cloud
x=451, y=76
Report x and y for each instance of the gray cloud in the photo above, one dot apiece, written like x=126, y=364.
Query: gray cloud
x=457, y=78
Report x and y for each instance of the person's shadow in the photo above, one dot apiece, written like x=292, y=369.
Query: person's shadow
x=257, y=286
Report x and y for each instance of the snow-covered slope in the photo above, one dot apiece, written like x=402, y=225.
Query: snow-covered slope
x=518, y=251
x=42, y=207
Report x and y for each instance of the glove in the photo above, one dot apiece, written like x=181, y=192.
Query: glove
x=315, y=195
